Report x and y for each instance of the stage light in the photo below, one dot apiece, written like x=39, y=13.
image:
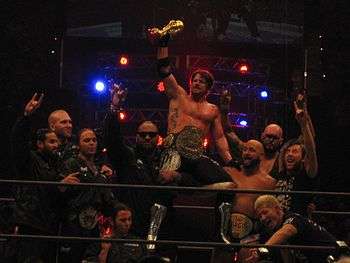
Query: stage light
x=122, y=115
x=108, y=231
x=100, y=86
x=205, y=143
x=160, y=87
x=264, y=94
x=243, y=68
x=243, y=123
x=160, y=141
x=123, y=61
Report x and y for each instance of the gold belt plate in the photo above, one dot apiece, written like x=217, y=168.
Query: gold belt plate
x=241, y=225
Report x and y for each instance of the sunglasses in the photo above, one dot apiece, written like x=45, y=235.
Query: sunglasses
x=150, y=134
x=271, y=136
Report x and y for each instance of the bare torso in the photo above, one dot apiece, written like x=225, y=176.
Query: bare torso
x=184, y=111
x=243, y=202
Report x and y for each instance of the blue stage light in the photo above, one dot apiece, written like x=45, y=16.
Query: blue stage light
x=100, y=86
x=243, y=123
x=264, y=94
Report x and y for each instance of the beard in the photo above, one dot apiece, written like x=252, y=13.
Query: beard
x=52, y=155
x=270, y=150
x=253, y=164
x=145, y=148
x=270, y=147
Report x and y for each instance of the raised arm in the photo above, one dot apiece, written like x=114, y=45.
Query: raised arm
x=220, y=139
x=302, y=103
x=310, y=163
x=172, y=88
x=20, y=136
x=118, y=152
x=225, y=101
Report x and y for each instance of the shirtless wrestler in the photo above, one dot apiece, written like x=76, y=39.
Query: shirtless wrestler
x=191, y=117
x=251, y=176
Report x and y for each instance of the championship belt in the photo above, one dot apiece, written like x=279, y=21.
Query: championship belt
x=241, y=225
x=172, y=28
x=158, y=213
x=225, y=212
x=189, y=143
x=170, y=159
x=168, y=140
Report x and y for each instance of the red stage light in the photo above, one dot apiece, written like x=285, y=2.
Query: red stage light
x=205, y=143
x=122, y=116
x=160, y=141
x=243, y=68
x=123, y=61
x=108, y=231
x=160, y=87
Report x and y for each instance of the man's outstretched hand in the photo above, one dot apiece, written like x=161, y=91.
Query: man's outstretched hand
x=118, y=95
x=300, y=109
x=33, y=104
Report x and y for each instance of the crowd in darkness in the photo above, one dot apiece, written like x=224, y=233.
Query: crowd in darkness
x=266, y=163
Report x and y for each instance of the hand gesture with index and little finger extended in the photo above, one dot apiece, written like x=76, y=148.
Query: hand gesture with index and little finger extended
x=118, y=95
x=33, y=104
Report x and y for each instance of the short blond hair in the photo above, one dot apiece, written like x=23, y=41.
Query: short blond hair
x=266, y=201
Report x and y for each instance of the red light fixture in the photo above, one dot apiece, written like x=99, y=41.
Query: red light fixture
x=243, y=68
x=160, y=87
x=122, y=115
x=205, y=143
x=160, y=141
x=123, y=61
x=108, y=231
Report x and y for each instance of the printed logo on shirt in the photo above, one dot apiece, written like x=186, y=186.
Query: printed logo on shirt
x=88, y=218
x=285, y=185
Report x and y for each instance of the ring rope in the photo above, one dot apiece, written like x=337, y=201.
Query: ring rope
x=162, y=242
x=170, y=188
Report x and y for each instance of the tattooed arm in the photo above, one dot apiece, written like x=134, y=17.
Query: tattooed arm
x=172, y=118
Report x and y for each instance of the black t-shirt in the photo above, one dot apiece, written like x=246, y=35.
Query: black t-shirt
x=311, y=234
x=85, y=203
x=118, y=253
x=298, y=182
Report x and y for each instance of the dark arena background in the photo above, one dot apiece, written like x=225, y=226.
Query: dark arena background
x=73, y=51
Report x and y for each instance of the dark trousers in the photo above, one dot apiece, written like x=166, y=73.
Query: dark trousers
x=35, y=250
x=73, y=252
x=204, y=170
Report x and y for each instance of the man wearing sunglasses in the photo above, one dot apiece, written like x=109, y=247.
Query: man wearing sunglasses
x=147, y=137
x=134, y=164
